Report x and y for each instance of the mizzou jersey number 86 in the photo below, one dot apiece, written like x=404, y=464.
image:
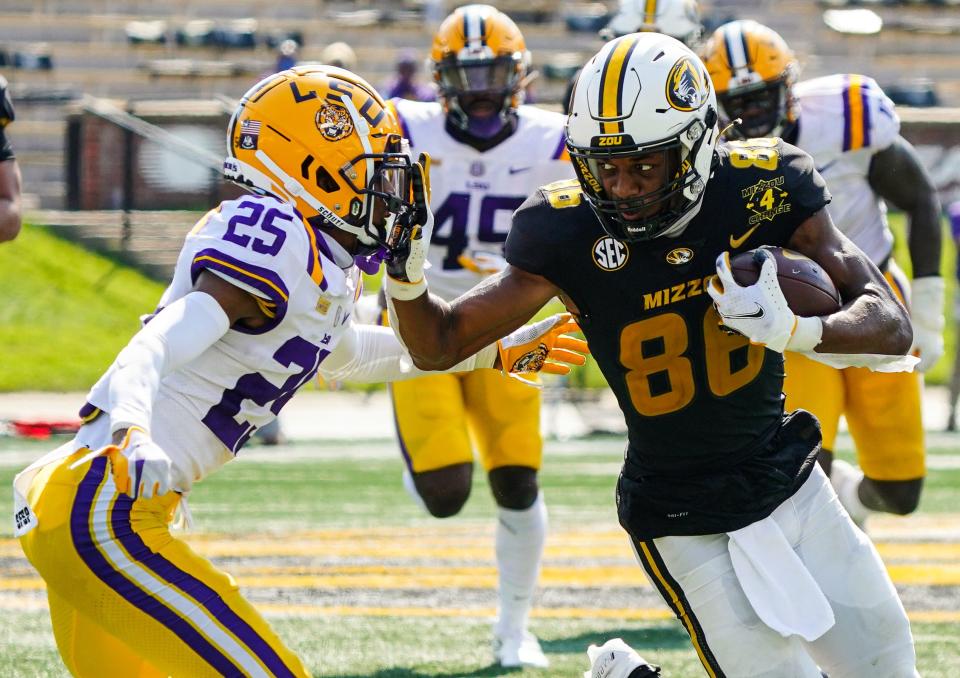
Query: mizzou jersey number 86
x=645, y=312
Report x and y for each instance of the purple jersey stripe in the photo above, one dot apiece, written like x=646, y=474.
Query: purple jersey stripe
x=865, y=99
x=847, y=122
x=324, y=246
x=85, y=544
x=561, y=147
x=195, y=588
x=259, y=278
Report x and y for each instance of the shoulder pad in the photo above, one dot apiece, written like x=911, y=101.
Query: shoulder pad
x=564, y=193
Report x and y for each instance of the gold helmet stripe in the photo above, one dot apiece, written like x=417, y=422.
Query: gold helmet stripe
x=650, y=14
x=611, y=84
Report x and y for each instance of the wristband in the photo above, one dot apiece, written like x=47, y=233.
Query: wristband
x=404, y=291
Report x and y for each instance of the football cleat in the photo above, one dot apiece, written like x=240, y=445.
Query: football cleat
x=519, y=649
x=616, y=659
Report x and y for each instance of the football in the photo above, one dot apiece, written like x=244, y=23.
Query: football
x=807, y=287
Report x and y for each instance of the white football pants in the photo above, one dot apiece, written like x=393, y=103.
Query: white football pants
x=870, y=637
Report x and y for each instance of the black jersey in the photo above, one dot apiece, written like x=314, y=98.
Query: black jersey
x=699, y=403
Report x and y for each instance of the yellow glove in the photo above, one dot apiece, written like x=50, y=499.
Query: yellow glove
x=542, y=347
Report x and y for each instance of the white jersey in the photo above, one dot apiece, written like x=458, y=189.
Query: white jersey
x=474, y=193
x=243, y=380
x=844, y=120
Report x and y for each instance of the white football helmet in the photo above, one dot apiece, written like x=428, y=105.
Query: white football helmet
x=644, y=94
x=679, y=19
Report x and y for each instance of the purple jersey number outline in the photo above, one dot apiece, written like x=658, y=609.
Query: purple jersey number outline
x=221, y=419
x=252, y=219
x=455, y=210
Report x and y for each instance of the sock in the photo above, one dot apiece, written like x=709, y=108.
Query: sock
x=519, y=544
x=411, y=489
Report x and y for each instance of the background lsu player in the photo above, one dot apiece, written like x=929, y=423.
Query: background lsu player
x=679, y=19
x=261, y=299
x=849, y=126
x=490, y=153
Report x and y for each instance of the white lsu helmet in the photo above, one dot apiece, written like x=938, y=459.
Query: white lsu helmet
x=679, y=19
x=643, y=94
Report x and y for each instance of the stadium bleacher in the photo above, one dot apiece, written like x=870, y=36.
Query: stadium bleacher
x=204, y=49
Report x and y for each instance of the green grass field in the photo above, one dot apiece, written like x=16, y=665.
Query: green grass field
x=324, y=540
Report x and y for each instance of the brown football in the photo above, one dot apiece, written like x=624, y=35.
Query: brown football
x=807, y=287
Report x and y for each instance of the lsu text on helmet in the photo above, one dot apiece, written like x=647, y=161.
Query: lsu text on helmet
x=644, y=101
x=479, y=61
x=679, y=19
x=753, y=71
x=321, y=138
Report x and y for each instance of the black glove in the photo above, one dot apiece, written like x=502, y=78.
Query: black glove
x=408, y=255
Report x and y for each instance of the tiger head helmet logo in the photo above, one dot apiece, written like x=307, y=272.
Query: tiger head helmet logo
x=333, y=121
x=687, y=87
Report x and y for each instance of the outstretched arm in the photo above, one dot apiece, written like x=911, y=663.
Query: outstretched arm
x=439, y=335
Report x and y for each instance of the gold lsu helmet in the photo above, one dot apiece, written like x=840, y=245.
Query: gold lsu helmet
x=753, y=71
x=478, y=52
x=322, y=139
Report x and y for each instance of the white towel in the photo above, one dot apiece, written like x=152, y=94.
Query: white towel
x=872, y=361
x=778, y=585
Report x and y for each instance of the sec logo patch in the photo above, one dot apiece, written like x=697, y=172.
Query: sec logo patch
x=610, y=254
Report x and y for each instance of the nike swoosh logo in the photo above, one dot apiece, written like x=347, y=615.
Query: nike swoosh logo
x=517, y=170
x=756, y=314
x=736, y=242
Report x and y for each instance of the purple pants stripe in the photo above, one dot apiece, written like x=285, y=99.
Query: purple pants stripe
x=85, y=543
x=195, y=588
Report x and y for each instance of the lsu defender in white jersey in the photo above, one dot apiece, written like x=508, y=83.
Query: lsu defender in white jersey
x=243, y=380
x=844, y=120
x=851, y=129
x=475, y=192
x=261, y=298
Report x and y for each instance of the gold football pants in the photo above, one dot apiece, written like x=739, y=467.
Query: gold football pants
x=438, y=415
x=127, y=598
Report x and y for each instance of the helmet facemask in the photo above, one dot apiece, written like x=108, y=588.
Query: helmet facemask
x=382, y=199
x=481, y=89
x=664, y=210
x=763, y=109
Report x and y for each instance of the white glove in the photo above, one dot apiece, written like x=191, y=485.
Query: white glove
x=484, y=263
x=140, y=468
x=760, y=311
x=408, y=259
x=616, y=659
x=926, y=312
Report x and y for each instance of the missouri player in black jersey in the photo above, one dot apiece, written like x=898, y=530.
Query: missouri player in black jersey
x=730, y=517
